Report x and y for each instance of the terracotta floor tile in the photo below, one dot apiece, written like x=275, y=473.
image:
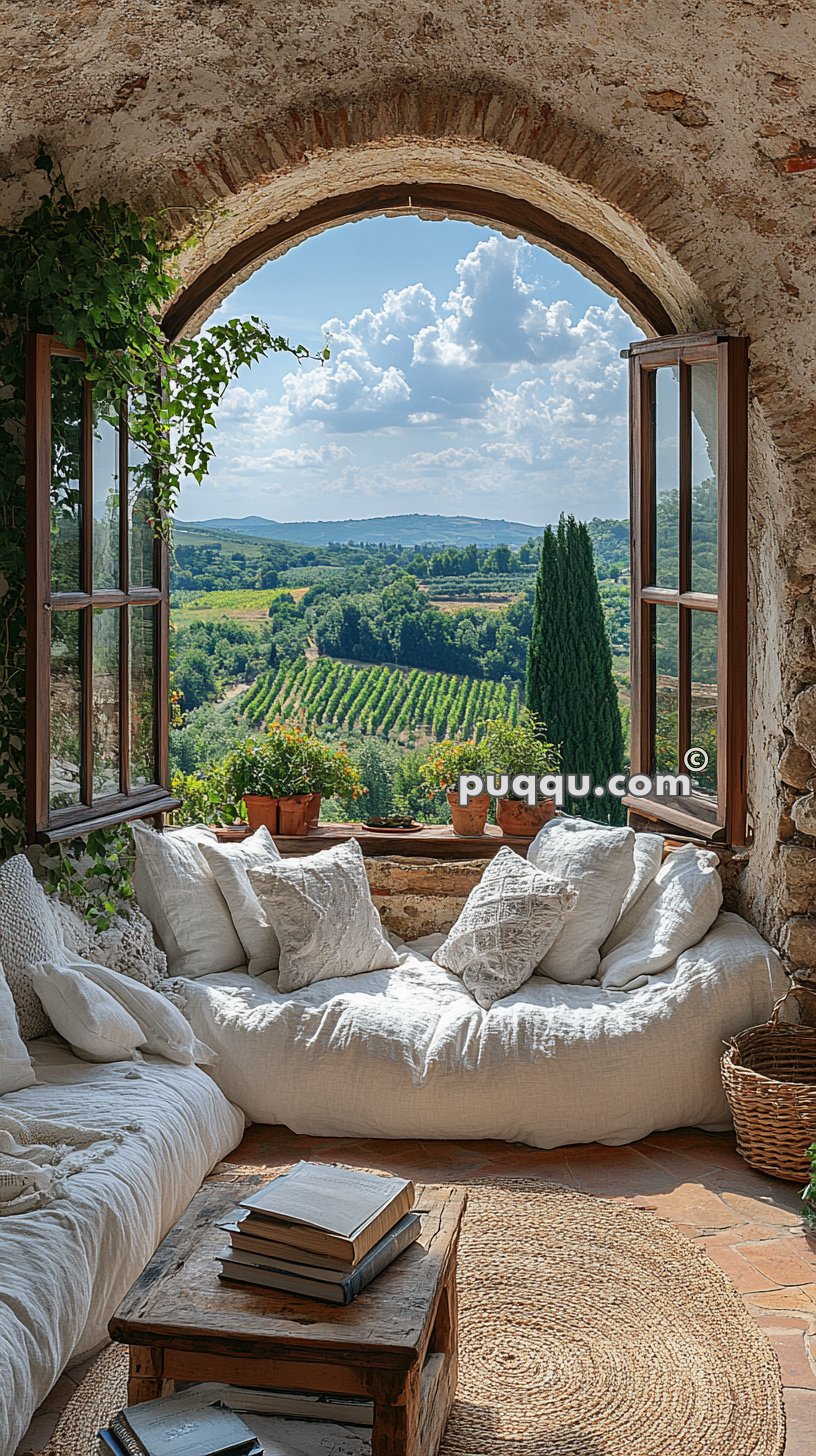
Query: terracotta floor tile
x=787, y=1334
x=744, y=1275
x=784, y=1260
x=800, y=1410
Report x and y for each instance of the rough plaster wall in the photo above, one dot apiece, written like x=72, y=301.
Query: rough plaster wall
x=683, y=136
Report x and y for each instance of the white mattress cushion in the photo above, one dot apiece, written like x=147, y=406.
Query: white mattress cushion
x=66, y=1267
x=230, y=863
x=507, y=924
x=167, y=1033
x=15, y=1064
x=598, y=861
x=29, y=934
x=672, y=914
x=324, y=917
x=93, y=1023
x=178, y=892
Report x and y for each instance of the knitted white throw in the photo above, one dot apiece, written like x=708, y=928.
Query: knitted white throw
x=37, y=1155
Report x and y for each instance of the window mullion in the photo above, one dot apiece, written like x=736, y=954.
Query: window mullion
x=86, y=700
x=124, y=700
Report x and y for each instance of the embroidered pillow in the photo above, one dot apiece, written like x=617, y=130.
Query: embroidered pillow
x=167, y=1033
x=177, y=891
x=230, y=864
x=323, y=915
x=507, y=925
x=29, y=934
x=598, y=861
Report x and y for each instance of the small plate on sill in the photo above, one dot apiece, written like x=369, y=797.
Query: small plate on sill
x=392, y=824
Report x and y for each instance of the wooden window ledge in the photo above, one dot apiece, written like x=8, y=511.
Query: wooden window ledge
x=435, y=841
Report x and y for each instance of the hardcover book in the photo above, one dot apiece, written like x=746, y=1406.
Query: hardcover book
x=329, y=1210
x=244, y=1268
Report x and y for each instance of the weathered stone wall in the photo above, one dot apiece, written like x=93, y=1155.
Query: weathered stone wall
x=683, y=137
x=421, y=896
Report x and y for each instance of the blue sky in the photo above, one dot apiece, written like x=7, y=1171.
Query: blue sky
x=470, y=374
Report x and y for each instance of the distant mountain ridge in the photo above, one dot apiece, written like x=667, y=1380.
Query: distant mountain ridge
x=406, y=530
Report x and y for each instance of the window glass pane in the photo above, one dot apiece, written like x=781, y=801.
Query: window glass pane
x=667, y=714
x=667, y=480
x=66, y=711
x=704, y=699
x=105, y=704
x=142, y=696
x=105, y=505
x=66, y=446
x=704, y=477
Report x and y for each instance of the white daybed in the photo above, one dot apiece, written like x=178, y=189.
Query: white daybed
x=65, y=1267
x=409, y=1053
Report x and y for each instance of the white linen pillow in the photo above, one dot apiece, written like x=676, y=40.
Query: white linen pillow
x=324, y=917
x=598, y=861
x=230, y=863
x=16, y=1070
x=673, y=913
x=177, y=891
x=167, y=1033
x=29, y=934
x=95, y=1026
x=507, y=924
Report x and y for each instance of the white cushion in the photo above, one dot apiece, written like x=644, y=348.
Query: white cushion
x=230, y=863
x=177, y=891
x=167, y=1033
x=673, y=913
x=16, y=1070
x=648, y=859
x=127, y=945
x=508, y=923
x=95, y=1026
x=29, y=934
x=324, y=917
x=598, y=861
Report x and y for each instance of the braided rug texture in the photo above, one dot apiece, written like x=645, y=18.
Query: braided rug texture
x=587, y=1328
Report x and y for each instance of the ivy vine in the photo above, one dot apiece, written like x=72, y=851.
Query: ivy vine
x=100, y=275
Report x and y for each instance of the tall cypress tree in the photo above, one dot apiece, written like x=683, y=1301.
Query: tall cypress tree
x=570, y=685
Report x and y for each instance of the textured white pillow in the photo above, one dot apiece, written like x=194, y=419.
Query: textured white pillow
x=598, y=861
x=672, y=914
x=127, y=945
x=230, y=863
x=167, y=1033
x=508, y=923
x=177, y=891
x=324, y=917
x=95, y=1026
x=648, y=859
x=16, y=1070
x=29, y=934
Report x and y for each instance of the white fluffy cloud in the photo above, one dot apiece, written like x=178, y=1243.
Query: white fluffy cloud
x=494, y=388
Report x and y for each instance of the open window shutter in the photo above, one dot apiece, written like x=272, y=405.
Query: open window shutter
x=688, y=405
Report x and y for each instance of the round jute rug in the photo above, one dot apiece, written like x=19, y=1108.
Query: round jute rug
x=588, y=1328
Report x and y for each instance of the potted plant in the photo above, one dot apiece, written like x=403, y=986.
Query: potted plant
x=270, y=774
x=330, y=773
x=443, y=768
x=518, y=748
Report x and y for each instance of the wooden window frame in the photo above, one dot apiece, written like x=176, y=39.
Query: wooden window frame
x=45, y=825
x=723, y=819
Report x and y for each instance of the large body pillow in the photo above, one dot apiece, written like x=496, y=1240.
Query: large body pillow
x=29, y=934
x=16, y=1070
x=178, y=892
x=230, y=863
x=507, y=924
x=324, y=917
x=598, y=861
x=673, y=913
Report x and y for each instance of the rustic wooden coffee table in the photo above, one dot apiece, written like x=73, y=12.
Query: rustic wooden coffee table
x=395, y=1345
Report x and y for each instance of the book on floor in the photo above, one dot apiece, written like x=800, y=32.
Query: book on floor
x=243, y=1267
x=180, y=1425
x=328, y=1210
x=300, y=1405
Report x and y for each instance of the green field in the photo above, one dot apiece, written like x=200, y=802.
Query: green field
x=391, y=702
x=239, y=605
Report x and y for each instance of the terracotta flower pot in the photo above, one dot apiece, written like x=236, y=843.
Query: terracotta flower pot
x=514, y=817
x=468, y=820
x=293, y=814
x=313, y=811
x=262, y=812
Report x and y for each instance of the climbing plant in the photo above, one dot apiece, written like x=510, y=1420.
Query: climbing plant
x=100, y=275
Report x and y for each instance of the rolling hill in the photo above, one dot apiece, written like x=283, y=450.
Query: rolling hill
x=410, y=530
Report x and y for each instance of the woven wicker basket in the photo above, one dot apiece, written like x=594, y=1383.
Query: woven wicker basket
x=769, y=1076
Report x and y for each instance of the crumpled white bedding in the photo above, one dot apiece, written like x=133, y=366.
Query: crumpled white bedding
x=409, y=1053
x=64, y=1268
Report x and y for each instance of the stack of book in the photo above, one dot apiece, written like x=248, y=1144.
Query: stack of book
x=178, y=1425
x=320, y=1231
